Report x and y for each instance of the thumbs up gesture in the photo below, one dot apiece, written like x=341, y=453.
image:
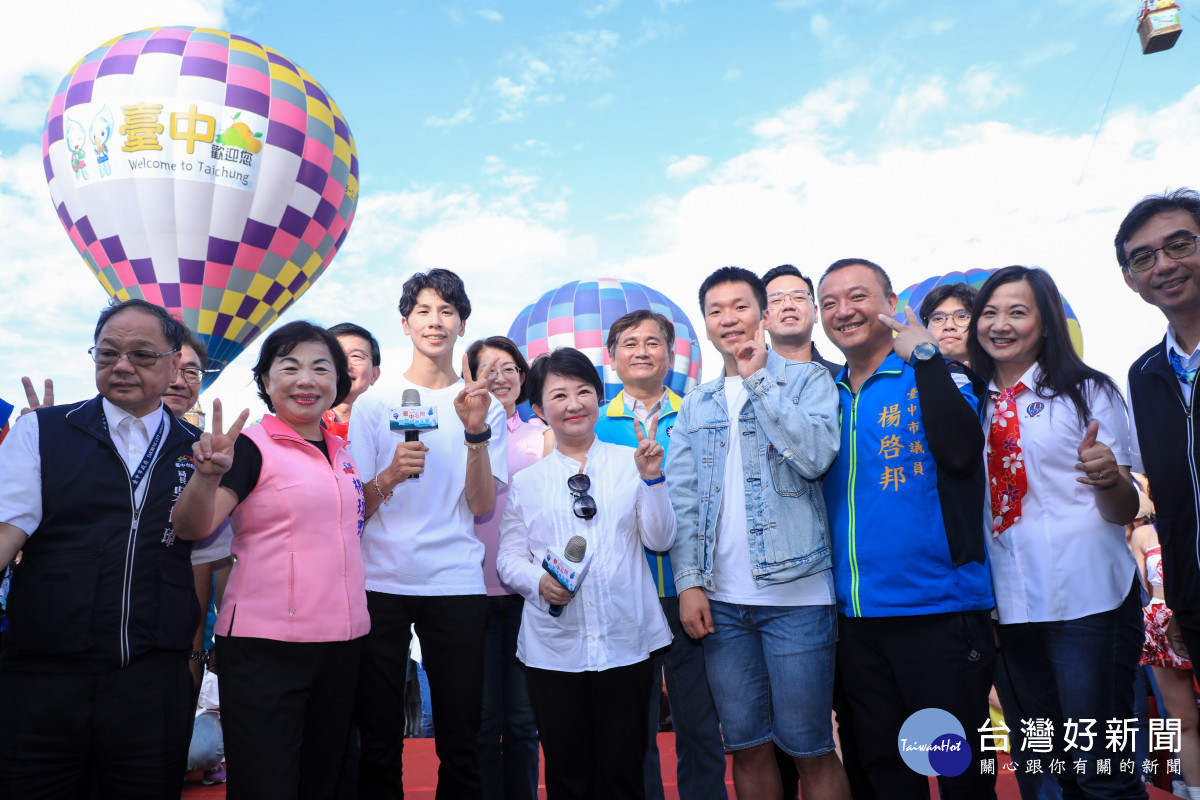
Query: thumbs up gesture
x=1096, y=461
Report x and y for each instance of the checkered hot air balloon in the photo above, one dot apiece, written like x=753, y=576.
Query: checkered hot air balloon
x=199, y=170
x=578, y=314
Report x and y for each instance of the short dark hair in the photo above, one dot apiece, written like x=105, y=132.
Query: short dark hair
x=842, y=263
x=735, y=275
x=787, y=269
x=632, y=320
x=350, y=329
x=1063, y=371
x=1182, y=199
x=446, y=283
x=284, y=340
x=565, y=361
x=172, y=328
x=506, y=345
x=963, y=292
x=193, y=341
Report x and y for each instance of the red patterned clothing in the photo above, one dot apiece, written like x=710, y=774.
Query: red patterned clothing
x=1156, y=651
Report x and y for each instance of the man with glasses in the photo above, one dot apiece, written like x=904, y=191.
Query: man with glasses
x=102, y=610
x=946, y=312
x=362, y=356
x=751, y=554
x=791, y=314
x=641, y=346
x=1156, y=248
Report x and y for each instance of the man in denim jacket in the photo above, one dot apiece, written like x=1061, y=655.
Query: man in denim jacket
x=751, y=556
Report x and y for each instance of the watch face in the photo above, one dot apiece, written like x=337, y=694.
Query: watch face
x=924, y=351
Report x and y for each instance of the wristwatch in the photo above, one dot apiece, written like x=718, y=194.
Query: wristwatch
x=922, y=353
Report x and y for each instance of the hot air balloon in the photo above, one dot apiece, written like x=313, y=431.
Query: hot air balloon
x=199, y=170
x=913, y=295
x=578, y=314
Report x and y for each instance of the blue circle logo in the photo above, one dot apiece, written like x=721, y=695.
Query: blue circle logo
x=932, y=742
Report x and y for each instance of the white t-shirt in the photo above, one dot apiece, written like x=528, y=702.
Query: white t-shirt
x=732, y=578
x=422, y=542
x=1061, y=560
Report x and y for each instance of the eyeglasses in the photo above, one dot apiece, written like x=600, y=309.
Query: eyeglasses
x=357, y=359
x=108, y=357
x=1176, y=249
x=508, y=371
x=192, y=374
x=584, y=505
x=797, y=296
x=939, y=318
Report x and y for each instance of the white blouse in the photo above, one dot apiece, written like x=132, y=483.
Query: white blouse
x=615, y=618
x=1061, y=560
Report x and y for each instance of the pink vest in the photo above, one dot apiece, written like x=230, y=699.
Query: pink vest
x=298, y=572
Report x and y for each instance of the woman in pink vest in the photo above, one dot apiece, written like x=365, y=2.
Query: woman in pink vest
x=295, y=608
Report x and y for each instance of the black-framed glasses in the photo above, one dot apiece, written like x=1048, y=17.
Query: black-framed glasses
x=798, y=297
x=107, y=356
x=584, y=504
x=939, y=318
x=1174, y=249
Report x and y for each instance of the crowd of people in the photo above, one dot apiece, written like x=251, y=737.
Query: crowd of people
x=805, y=552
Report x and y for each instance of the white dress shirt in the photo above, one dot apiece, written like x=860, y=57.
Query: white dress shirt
x=1189, y=361
x=1061, y=560
x=615, y=618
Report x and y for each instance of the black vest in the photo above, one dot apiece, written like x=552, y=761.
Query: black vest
x=98, y=586
x=1170, y=446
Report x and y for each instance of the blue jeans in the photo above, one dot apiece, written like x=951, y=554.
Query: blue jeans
x=508, y=739
x=1075, y=670
x=207, y=749
x=771, y=673
x=700, y=756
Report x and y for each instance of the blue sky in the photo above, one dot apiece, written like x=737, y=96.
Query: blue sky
x=525, y=144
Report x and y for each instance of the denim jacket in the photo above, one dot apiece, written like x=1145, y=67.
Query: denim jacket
x=788, y=437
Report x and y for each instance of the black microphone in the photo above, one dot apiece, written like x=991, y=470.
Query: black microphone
x=574, y=552
x=411, y=397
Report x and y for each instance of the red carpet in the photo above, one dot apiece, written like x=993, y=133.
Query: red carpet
x=420, y=775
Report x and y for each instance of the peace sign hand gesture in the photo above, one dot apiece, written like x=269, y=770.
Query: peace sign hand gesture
x=472, y=402
x=649, y=453
x=907, y=336
x=32, y=398
x=752, y=355
x=213, y=454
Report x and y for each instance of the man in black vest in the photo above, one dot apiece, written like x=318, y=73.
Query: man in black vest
x=1156, y=248
x=95, y=694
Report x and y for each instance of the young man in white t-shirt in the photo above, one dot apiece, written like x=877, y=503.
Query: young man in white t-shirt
x=424, y=564
x=751, y=555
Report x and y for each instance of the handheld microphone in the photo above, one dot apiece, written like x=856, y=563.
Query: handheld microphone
x=568, y=566
x=412, y=418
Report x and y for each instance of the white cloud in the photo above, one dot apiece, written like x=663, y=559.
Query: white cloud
x=41, y=43
x=602, y=102
x=491, y=15
x=824, y=108
x=732, y=75
x=601, y=8
x=687, y=166
x=985, y=88
x=581, y=56
x=912, y=104
x=458, y=118
x=939, y=26
x=791, y=5
x=1047, y=52
x=820, y=26
x=569, y=57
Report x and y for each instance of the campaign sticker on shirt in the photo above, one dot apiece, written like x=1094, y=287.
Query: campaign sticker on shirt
x=1035, y=408
x=184, y=461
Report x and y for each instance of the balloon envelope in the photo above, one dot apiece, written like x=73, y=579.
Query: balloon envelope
x=578, y=314
x=915, y=294
x=201, y=171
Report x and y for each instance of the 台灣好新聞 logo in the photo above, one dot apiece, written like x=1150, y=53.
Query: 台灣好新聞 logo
x=933, y=742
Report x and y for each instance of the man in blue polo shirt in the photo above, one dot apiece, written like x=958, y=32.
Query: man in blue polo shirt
x=641, y=346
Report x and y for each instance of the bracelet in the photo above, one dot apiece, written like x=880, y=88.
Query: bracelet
x=477, y=438
x=655, y=481
x=200, y=656
x=476, y=445
x=378, y=491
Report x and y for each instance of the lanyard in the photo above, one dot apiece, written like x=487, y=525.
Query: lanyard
x=140, y=473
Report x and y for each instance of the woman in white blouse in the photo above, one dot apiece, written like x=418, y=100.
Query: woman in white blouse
x=1060, y=495
x=588, y=669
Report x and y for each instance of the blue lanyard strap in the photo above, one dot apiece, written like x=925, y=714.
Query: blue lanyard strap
x=148, y=458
